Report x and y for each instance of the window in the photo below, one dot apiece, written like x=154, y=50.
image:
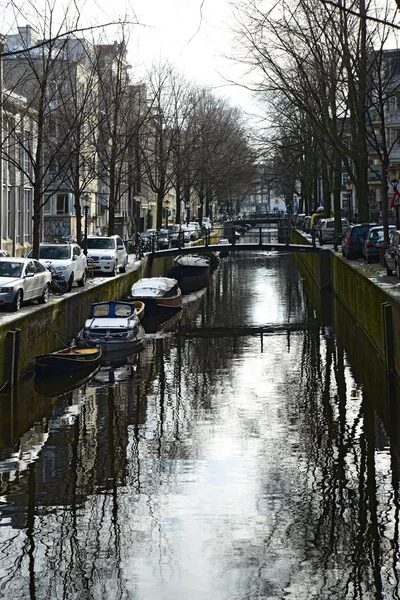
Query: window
x=47, y=208
x=345, y=178
x=62, y=204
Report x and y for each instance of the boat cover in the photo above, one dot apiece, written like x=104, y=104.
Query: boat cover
x=192, y=260
x=152, y=287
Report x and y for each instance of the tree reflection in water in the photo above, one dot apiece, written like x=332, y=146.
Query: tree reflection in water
x=235, y=465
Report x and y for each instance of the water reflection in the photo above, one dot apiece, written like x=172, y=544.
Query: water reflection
x=214, y=466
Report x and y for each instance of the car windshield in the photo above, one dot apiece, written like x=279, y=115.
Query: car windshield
x=99, y=243
x=163, y=232
x=174, y=228
x=10, y=269
x=54, y=252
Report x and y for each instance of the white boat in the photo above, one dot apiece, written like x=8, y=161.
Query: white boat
x=192, y=272
x=114, y=326
x=161, y=295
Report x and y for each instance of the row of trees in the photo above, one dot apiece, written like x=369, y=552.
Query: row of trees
x=324, y=72
x=73, y=119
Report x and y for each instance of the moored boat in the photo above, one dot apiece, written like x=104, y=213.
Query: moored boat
x=113, y=326
x=192, y=272
x=67, y=360
x=161, y=295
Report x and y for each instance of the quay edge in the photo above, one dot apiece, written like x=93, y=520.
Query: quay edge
x=375, y=309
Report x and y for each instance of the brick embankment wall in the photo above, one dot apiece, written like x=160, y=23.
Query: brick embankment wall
x=356, y=289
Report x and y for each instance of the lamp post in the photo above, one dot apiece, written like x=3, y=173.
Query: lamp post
x=187, y=207
x=137, y=213
x=166, y=204
x=394, y=202
x=349, y=188
x=86, y=199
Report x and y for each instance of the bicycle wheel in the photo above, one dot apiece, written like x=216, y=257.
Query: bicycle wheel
x=59, y=286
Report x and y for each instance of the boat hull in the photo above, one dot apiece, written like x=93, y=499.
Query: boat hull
x=68, y=360
x=191, y=279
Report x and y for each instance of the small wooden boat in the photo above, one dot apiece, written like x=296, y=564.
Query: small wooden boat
x=192, y=272
x=114, y=326
x=139, y=307
x=67, y=360
x=161, y=295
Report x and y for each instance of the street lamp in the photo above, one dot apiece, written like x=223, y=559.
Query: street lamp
x=394, y=202
x=137, y=213
x=86, y=200
x=166, y=204
x=349, y=188
x=187, y=207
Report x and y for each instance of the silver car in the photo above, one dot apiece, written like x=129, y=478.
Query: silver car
x=23, y=280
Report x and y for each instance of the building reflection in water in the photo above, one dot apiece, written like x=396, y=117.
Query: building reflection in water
x=251, y=453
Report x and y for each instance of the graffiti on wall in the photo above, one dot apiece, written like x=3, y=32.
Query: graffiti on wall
x=56, y=230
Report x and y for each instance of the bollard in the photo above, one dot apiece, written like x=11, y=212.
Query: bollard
x=388, y=337
x=13, y=371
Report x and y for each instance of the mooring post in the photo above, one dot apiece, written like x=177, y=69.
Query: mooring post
x=388, y=337
x=13, y=371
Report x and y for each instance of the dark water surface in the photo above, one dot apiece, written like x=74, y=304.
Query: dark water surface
x=249, y=453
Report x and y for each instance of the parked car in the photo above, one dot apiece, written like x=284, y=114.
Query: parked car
x=373, y=243
x=175, y=235
x=106, y=254
x=392, y=253
x=206, y=223
x=327, y=230
x=23, y=280
x=307, y=224
x=195, y=228
x=186, y=234
x=68, y=260
x=353, y=239
x=162, y=239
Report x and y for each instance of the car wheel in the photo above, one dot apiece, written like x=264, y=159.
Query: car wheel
x=115, y=270
x=70, y=282
x=388, y=271
x=123, y=269
x=16, y=304
x=82, y=281
x=368, y=259
x=45, y=296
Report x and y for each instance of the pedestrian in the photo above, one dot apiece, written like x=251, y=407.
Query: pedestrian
x=98, y=231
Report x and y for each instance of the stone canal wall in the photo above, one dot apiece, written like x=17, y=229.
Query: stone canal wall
x=376, y=309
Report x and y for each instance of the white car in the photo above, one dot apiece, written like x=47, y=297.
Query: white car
x=68, y=260
x=207, y=223
x=23, y=280
x=195, y=230
x=106, y=254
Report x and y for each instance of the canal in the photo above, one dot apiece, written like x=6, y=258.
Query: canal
x=249, y=452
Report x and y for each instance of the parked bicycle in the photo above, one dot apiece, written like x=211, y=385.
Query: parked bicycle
x=58, y=283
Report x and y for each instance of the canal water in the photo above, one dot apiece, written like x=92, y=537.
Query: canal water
x=249, y=452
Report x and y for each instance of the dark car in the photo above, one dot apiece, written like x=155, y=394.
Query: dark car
x=353, y=239
x=392, y=253
x=175, y=235
x=163, y=239
x=373, y=243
